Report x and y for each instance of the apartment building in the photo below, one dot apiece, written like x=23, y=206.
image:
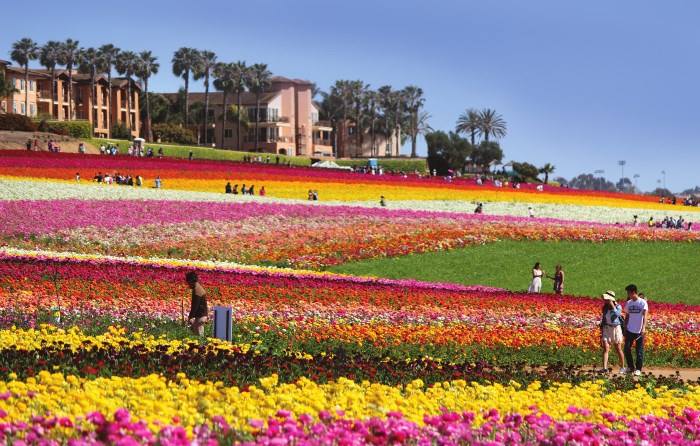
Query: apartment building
x=49, y=98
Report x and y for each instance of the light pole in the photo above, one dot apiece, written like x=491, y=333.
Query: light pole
x=622, y=163
x=636, y=177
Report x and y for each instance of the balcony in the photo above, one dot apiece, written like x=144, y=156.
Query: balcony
x=43, y=95
x=323, y=142
x=325, y=125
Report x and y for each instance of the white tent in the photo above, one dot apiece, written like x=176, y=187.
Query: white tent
x=330, y=165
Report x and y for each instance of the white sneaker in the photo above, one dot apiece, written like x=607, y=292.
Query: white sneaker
x=637, y=373
x=623, y=371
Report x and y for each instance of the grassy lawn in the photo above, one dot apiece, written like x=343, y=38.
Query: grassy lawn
x=179, y=151
x=663, y=271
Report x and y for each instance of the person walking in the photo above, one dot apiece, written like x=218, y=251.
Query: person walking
x=197, y=317
x=636, y=313
x=611, y=330
x=536, y=284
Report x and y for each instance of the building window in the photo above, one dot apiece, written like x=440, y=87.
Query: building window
x=32, y=86
x=14, y=107
x=22, y=107
x=228, y=133
x=21, y=84
x=3, y=106
x=32, y=109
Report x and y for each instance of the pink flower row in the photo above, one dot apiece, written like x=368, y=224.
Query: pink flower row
x=446, y=429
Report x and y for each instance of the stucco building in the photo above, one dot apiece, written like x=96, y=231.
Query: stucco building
x=49, y=99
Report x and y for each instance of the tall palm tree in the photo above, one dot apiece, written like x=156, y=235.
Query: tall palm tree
x=127, y=65
x=372, y=111
x=203, y=70
x=50, y=56
x=331, y=110
x=414, y=102
x=90, y=63
x=70, y=50
x=184, y=61
x=385, y=97
x=108, y=56
x=358, y=94
x=147, y=66
x=492, y=124
x=239, y=79
x=24, y=51
x=399, y=102
x=547, y=169
x=223, y=74
x=259, y=80
x=342, y=92
x=469, y=123
x=419, y=126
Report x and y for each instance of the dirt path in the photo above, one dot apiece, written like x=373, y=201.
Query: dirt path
x=18, y=140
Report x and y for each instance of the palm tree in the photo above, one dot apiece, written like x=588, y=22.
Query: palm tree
x=342, y=95
x=419, y=126
x=491, y=124
x=184, y=61
x=385, y=96
x=203, y=70
x=23, y=51
x=358, y=95
x=547, y=169
x=239, y=80
x=372, y=105
x=399, y=102
x=128, y=65
x=50, y=56
x=259, y=80
x=469, y=123
x=147, y=66
x=223, y=73
x=90, y=62
x=108, y=56
x=69, y=57
x=414, y=101
x=331, y=110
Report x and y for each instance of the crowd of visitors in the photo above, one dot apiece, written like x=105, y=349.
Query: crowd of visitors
x=666, y=223
x=228, y=189
x=118, y=178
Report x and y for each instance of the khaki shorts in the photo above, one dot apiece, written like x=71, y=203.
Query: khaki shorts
x=613, y=335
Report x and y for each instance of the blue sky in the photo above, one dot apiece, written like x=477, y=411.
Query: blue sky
x=581, y=84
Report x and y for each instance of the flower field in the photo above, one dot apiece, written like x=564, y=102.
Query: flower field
x=94, y=349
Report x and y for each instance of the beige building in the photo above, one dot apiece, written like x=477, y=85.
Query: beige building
x=288, y=124
x=48, y=99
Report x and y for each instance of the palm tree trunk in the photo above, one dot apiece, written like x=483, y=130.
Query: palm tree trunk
x=70, y=93
x=238, y=119
x=473, y=138
x=414, y=134
x=223, y=120
x=257, y=119
x=109, y=103
x=128, y=106
x=149, y=132
x=187, y=98
x=53, y=91
x=92, y=105
x=373, y=139
x=26, y=89
x=206, y=108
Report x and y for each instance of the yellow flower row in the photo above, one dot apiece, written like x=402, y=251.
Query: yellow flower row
x=155, y=399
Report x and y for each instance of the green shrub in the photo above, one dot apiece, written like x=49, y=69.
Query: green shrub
x=15, y=122
x=75, y=129
x=119, y=131
x=407, y=165
x=173, y=133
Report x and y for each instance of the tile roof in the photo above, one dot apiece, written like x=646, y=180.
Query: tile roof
x=217, y=97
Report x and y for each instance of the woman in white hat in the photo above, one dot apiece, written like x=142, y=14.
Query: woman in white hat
x=611, y=330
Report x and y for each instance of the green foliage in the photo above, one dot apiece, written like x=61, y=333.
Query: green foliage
x=447, y=151
x=487, y=153
x=75, y=129
x=6, y=86
x=173, y=133
x=590, y=267
x=525, y=171
x=396, y=165
x=15, y=122
x=119, y=131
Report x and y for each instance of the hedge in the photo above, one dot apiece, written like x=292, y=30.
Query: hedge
x=75, y=129
x=173, y=133
x=407, y=165
x=17, y=123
